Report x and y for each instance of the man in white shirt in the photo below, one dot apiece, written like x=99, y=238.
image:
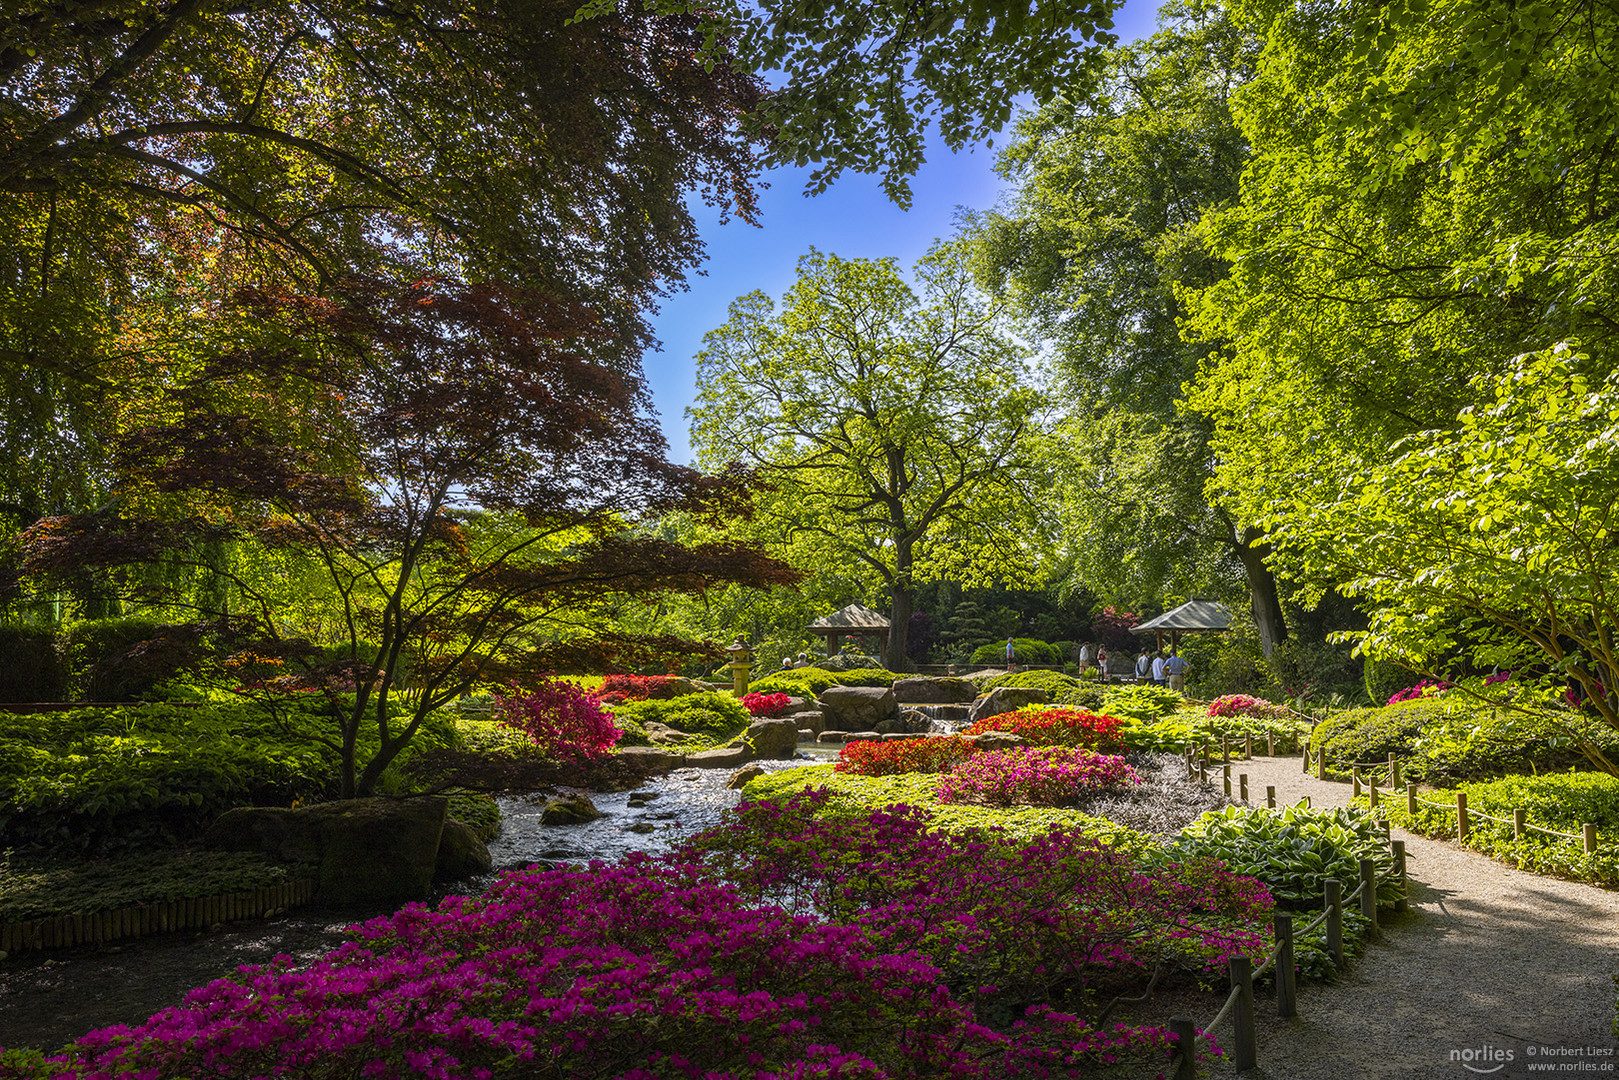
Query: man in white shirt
x=1175, y=668
x=1084, y=656
x=1158, y=668
x=1144, y=666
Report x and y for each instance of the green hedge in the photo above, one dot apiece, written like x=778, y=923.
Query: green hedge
x=29, y=669
x=1026, y=651
x=1560, y=801
x=100, y=780
x=41, y=890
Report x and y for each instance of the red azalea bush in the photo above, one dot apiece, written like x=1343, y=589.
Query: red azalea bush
x=1034, y=776
x=890, y=758
x=617, y=689
x=766, y=704
x=1246, y=705
x=1056, y=727
x=565, y=722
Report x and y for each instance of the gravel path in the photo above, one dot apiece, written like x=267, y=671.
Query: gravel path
x=1489, y=962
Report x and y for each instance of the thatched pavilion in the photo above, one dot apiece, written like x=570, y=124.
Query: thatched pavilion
x=857, y=620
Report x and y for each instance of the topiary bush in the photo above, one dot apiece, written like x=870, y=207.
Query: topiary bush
x=813, y=681
x=29, y=668
x=1026, y=651
x=1372, y=734
x=712, y=714
x=1063, y=689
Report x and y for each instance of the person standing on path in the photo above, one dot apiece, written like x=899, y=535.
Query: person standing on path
x=1158, y=669
x=1175, y=668
x=1144, y=666
x=1101, y=662
x=1011, y=656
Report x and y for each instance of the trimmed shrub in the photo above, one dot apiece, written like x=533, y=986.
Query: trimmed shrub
x=1042, y=725
x=617, y=688
x=29, y=669
x=812, y=681
x=1034, y=776
x=1064, y=689
x=713, y=714
x=886, y=758
x=103, y=661
x=1026, y=651
x=1246, y=705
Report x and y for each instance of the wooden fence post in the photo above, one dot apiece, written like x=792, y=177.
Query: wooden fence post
x=1286, y=976
x=1248, y=747
x=1519, y=816
x=1590, y=832
x=1244, y=1055
x=1368, y=894
x=1185, y=1037
x=1332, y=899
x=1225, y=749
x=1461, y=816
x=1399, y=872
x=1270, y=744
x=1203, y=769
x=1394, y=771
x=1321, y=764
x=1354, y=778
x=1226, y=770
x=1306, y=755
x=1242, y=786
x=1270, y=796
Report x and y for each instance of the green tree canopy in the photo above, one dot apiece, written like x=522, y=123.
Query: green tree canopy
x=893, y=427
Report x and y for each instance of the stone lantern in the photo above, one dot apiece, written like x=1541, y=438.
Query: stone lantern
x=741, y=665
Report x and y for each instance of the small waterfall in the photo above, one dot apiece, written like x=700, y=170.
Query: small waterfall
x=945, y=719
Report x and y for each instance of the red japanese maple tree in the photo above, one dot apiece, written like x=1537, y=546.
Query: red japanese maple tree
x=454, y=461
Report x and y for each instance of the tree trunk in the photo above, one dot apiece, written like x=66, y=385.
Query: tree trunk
x=1267, y=603
x=899, y=611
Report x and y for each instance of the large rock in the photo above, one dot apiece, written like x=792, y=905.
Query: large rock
x=460, y=853
x=651, y=759
x=814, y=721
x=569, y=810
x=773, y=739
x=942, y=690
x=996, y=740
x=683, y=686
x=726, y=757
x=368, y=851
x=739, y=779
x=1005, y=699
x=858, y=708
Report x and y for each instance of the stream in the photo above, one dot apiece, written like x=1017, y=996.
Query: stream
x=50, y=998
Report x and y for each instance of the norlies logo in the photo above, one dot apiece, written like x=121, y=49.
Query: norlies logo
x=1484, y=1059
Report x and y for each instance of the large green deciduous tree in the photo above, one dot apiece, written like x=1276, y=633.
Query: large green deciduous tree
x=895, y=428
x=1431, y=195
x=1100, y=237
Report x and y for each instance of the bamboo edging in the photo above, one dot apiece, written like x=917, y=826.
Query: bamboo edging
x=158, y=917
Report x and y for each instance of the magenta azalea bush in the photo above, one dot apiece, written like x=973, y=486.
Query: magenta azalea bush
x=565, y=721
x=1427, y=688
x=868, y=948
x=1246, y=705
x=1034, y=776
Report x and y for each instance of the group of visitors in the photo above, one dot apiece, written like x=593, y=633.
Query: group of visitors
x=1160, y=668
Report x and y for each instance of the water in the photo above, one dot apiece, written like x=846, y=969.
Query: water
x=944, y=719
x=48, y=999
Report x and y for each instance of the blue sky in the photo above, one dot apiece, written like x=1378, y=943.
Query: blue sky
x=853, y=219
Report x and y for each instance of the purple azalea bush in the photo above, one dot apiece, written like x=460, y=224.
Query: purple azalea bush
x=1034, y=776
x=774, y=947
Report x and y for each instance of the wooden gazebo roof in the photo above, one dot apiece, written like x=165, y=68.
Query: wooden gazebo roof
x=855, y=619
x=1192, y=617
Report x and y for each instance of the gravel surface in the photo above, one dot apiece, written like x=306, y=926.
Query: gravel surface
x=1489, y=962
